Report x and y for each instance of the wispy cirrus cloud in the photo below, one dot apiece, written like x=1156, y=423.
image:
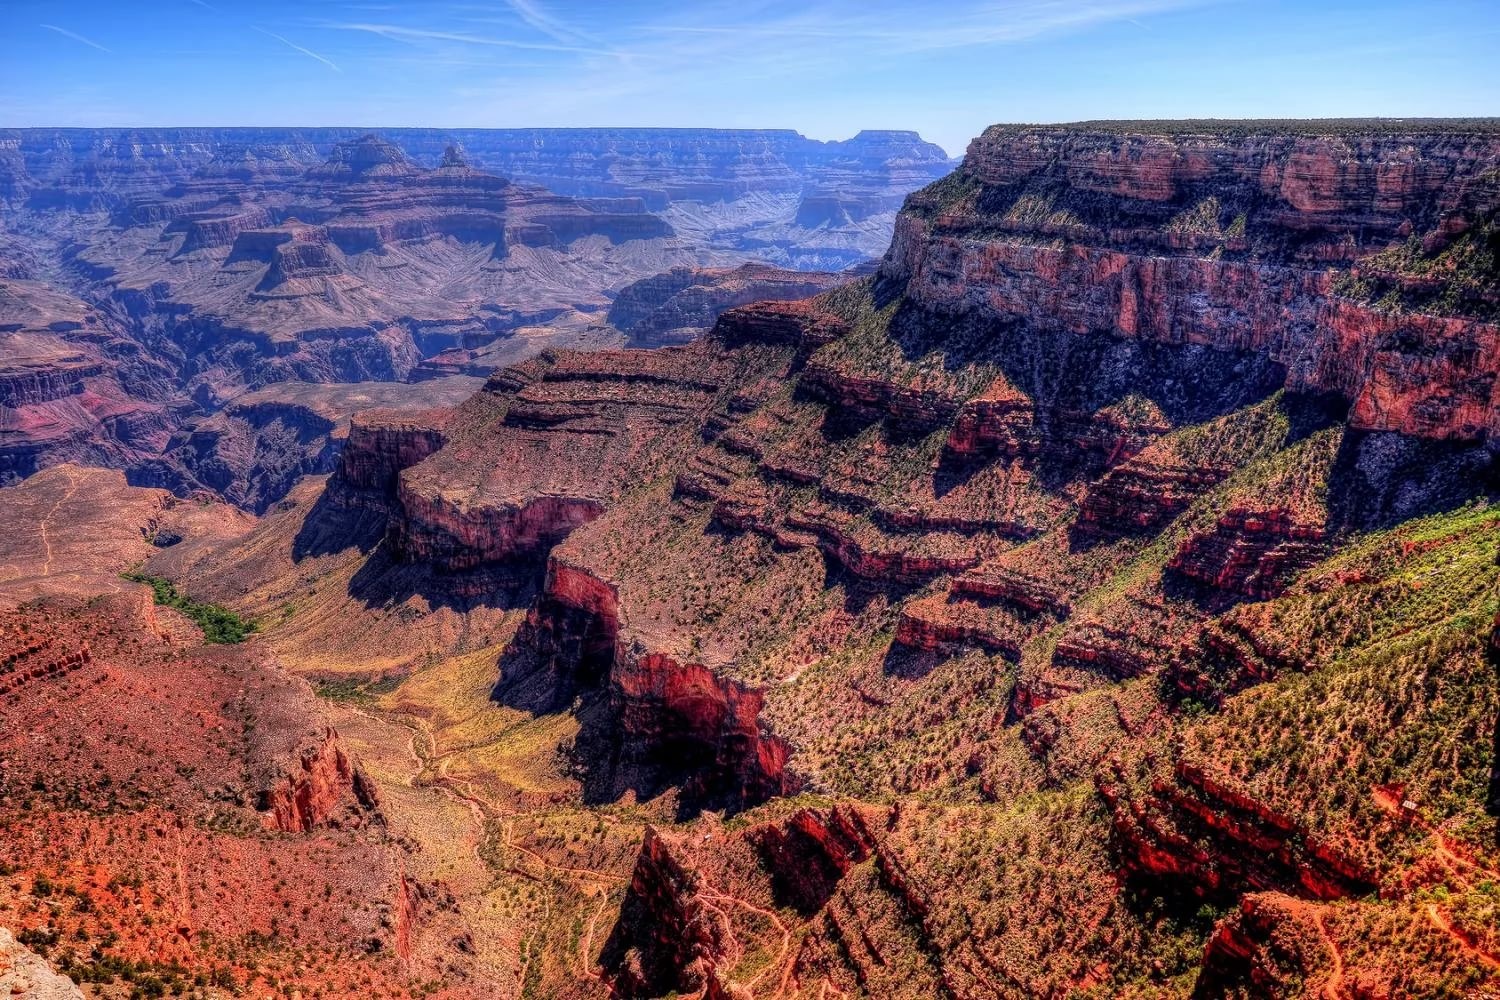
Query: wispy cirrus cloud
x=406, y=33
x=538, y=18
x=305, y=51
x=75, y=36
x=893, y=29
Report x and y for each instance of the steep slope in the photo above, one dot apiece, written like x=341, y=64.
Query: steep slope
x=73, y=386
x=174, y=812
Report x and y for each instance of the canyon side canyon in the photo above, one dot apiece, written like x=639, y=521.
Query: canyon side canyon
x=647, y=563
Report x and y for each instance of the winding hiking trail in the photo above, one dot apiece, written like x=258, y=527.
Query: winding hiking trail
x=42, y=527
x=430, y=770
x=1440, y=920
x=1457, y=860
x=780, y=962
x=1334, y=988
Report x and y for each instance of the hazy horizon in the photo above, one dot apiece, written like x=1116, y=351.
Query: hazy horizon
x=826, y=70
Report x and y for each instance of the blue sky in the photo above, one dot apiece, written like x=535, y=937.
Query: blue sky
x=825, y=68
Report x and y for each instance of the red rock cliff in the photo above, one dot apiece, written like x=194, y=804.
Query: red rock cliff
x=323, y=789
x=1229, y=241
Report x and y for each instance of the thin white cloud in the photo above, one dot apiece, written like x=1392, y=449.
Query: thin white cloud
x=401, y=33
x=75, y=36
x=962, y=25
x=536, y=17
x=307, y=52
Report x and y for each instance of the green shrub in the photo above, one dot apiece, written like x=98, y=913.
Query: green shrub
x=219, y=624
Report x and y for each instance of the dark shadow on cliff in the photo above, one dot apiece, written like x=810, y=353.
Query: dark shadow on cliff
x=1208, y=599
x=383, y=581
x=647, y=748
x=859, y=593
x=1382, y=478
x=633, y=954
x=544, y=676
x=610, y=763
x=1075, y=375
x=910, y=664
x=332, y=527
x=661, y=945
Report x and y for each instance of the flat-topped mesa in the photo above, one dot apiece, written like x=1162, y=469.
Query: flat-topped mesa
x=677, y=305
x=381, y=444
x=364, y=158
x=1235, y=238
x=262, y=243
x=561, y=438
x=210, y=230
x=866, y=177
x=368, y=264
x=296, y=261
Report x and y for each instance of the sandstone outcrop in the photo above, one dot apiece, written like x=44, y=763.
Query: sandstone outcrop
x=1222, y=241
x=27, y=976
x=323, y=788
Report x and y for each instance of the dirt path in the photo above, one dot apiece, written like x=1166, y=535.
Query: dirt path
x=484, y=811
x=1440, y=920
x=1455, y=856
x=586, y=945
x=1334, y=988
x=1459, y=862
x=42, y=527
x=780, y=962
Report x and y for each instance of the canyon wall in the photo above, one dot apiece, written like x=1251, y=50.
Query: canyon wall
x=1234, y=243
x=156, y=275
x=1097, y=598
x=654, y=165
